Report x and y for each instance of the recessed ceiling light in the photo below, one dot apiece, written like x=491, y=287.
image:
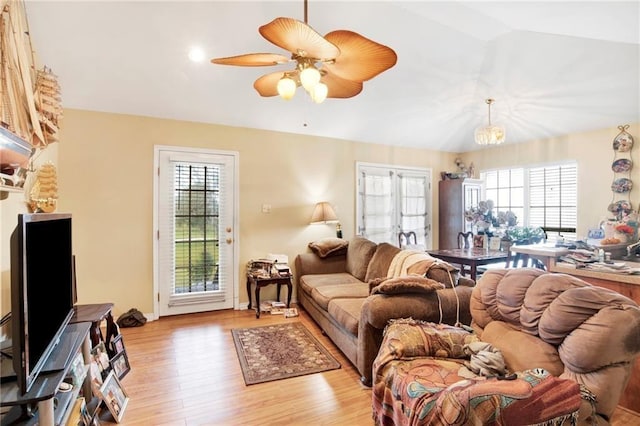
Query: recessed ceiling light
x=196, y=54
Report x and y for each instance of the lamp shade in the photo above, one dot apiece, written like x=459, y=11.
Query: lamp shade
x=323, y=213
x=490, y=135
x=286, y=88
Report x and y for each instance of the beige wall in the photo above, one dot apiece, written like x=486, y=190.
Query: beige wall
x=9, y=210
x=106, y=180
x=594, y=154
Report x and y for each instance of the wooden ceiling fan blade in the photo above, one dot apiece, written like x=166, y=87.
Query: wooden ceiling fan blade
x=339, y=87
x=298, y=38
x=267, y=85
x=360, y=59
x=253, y=60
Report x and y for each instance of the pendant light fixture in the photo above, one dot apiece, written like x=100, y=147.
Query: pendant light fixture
x=490, y=134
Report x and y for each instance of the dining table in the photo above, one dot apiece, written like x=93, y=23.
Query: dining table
x=472, y=257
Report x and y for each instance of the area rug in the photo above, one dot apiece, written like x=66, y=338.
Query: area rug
x=280, y=351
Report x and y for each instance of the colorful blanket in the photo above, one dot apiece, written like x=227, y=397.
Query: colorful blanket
x=415, y=387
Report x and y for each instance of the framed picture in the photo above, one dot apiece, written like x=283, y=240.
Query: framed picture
x=96, y=377
x=114, y=396
x=100, y=357
x=120, y=364
x=494, y=243
x=478, y=241
x=116, y=345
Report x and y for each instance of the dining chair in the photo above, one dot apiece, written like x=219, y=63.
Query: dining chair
x=465, y=240
x=409, y=240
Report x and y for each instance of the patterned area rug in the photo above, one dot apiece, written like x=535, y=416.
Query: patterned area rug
x=280, y=351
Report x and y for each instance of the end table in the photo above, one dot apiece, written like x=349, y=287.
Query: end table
x=263, y=281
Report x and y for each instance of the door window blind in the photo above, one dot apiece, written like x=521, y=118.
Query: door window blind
x=193, y=230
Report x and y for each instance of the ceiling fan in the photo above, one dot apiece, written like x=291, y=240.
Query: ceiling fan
x=333, y=66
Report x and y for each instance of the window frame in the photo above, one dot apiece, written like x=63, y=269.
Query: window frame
x=553, y=232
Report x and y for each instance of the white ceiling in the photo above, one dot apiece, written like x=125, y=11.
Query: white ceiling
x=553, y=67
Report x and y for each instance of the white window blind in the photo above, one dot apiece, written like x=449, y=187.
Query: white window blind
x=413, y=203
x=378, y=205
x=393, y=199
x=553, y=198
x=193, y=230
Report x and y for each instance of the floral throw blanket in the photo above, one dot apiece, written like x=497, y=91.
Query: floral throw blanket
x=414, y=388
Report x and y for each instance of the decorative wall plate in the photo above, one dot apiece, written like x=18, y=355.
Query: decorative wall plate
x=622, y=165
x=622, y=206
x=624, y=141
x=621, y=185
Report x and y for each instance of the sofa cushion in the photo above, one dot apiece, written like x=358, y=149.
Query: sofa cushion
x=308, y=282
x=359, y=254
x=407, y=284
x=379, y=265
x=347, y=313
x=522, y=351
x=327, y=247
x=322, y=295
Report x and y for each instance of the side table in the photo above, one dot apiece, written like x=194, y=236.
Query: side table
x=95, y=314
x=260, y=282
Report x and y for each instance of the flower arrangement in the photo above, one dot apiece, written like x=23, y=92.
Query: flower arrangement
x=625, y=229
x=482, y=216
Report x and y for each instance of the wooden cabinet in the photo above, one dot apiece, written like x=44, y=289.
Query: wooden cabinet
x=454, y=197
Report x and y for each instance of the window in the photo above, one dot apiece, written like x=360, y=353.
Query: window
x=544, y=196
x=196, y=240
x=391, y=200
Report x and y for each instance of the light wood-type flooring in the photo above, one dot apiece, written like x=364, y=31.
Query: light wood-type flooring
x=184, y=371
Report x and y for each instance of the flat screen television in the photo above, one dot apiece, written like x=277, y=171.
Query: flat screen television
x=42, y=290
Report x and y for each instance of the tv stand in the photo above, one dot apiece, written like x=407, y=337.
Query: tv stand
x=37, y=406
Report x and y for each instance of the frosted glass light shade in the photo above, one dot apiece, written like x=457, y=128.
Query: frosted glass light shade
x=490, y=135
x=319, y=93
x=309, y=77
x=286, y=88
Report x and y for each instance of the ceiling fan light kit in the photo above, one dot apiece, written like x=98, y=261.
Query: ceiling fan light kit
x=333, y=66
x=491, y=134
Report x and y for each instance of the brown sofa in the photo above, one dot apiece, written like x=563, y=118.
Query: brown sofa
x=571, y=345
x=335, y=291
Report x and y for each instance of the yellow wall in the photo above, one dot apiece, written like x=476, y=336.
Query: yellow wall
x=594, y=154
x=105, y=170
x=106, y=182
x=9, y=210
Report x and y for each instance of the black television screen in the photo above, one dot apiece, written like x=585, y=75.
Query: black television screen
x=41, y=290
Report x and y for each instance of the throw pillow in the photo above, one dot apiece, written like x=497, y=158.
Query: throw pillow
x=327, y=247
x=407, y=284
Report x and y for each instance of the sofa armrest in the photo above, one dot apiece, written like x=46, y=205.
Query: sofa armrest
x=378, y=309
x=310, y=263
x=466, y=282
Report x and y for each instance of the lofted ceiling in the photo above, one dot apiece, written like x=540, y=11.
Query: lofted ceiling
x=554, y=68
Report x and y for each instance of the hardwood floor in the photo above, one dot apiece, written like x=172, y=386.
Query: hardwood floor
x=184, y=371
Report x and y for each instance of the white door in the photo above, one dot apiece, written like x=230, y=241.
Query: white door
x=195, y=252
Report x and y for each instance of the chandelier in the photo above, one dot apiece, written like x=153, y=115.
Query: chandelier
x=490, y=134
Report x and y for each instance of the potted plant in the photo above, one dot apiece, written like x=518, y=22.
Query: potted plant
x=521, y=235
